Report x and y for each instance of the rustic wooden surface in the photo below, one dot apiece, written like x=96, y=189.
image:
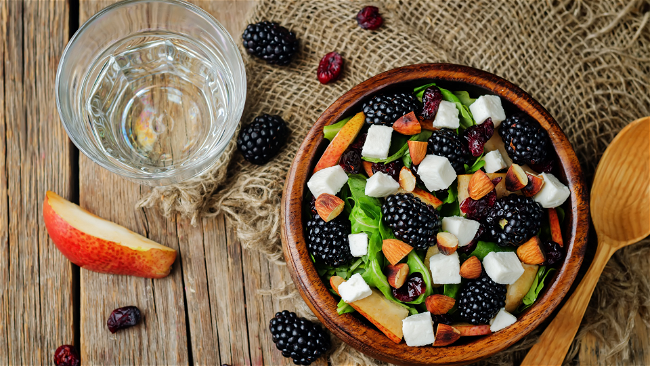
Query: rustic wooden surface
x=207, y=312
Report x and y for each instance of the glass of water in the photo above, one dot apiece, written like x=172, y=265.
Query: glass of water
x=152, y=90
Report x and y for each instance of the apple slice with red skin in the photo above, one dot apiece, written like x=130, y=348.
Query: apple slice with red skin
x=103, y=246
x=470, y=330
x=340, y=142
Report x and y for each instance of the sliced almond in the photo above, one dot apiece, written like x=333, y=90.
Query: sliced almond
x=408, y=124
x=447, y=243
x=417, y=150
x=556, y=230
x=329, y=206
x=446, y=335
x=406, y=179
x=531, y=252
x=439, y=304
x=426, y=197
x=535, y=183
x=471, y=268
x=395, y=250
x=397, y=274
x=479, y=185
x=516, y=178
x=367, y=166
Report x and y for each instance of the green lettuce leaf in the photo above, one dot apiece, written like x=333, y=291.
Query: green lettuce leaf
x=452, y=290
x=483, y=248
x=344, y=308
x=330, y=131
x=535, y=289
x=478, y=164
x=464, y=98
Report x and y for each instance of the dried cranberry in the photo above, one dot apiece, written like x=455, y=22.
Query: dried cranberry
x=330, y=67
x=497, y=180
x=431, y=99
x=122, y=318
x=369, y=18
x=66, y=355
x=413, y=288
x=544, y=167
x=312, y=206
x=478, y=135
x=478, y=209
x=472, y=244
x=358, y=143
x=391, y=168
x=351, y=162
x=442, y=319
x=554, y=253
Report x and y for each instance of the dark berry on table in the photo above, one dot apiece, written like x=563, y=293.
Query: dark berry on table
x=414, y=287
x=431, y=99
x=554, y=253
x=447, y=143
x=477, y=136
x=271, y=42
x=412, y=221
x=480, y=300
x=122, y=318
x=351, y=162
x=298, y=338
x=330, y=67
x=526, y=142
x=385, y=109
x=391, y=168
x=66, y=355
x=478, y=209
x=328, y=241
x=514, y=219
x=261, y=140
x=369, y=18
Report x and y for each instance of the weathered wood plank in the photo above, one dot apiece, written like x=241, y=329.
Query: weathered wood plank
x=5, y=306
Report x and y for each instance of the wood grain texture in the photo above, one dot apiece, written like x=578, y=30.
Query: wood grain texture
x=369, y=340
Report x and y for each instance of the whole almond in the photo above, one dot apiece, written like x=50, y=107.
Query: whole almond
x=516, y=178
x=397, y=274
x=395, y=250
x=417, y=151
x=479, y=185
x=439, y=304
x=556, y=230
x=531, y=252
x=446, y=335
x=367, y=167
x=447, y=243
x=329, y=206
x=471, y=268
x=408, y=124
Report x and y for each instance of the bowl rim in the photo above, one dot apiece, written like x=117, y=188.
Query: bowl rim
x=371, y=341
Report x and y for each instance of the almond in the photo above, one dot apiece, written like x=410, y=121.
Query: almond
x=406, y=179
x=426, y=197
x=417, y=151
x=535, y=183
x=447, y=243
x=471, y=268
x=479, y=185
x=329, y=206
x=531, y=252
x=439, y=304
x=427, y=124
x=446, y=335
x=394, y=250
x=397, y=274
x=556, y=230
x=367, y=166
x=516, y=178
x=408, y=124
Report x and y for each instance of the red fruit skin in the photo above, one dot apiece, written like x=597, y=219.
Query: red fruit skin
x=413, y=288
x=66, y=355
x=369, y=18
x=478, y=135
x=431, y=99
x=122, y=318
x=330, y=67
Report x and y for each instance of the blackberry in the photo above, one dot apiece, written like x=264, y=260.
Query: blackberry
x=447, y=143
x=514, y=219
x=480, y=300
x=261, y=140
x=328, y=241
x=385, y=109
x=270, y=41
x=298, y=338
x=525, y=140
x=413, y=221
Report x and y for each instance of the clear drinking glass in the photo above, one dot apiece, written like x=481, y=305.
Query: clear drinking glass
x=151, y=90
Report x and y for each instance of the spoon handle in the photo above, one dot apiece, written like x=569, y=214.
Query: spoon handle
x=553, y=344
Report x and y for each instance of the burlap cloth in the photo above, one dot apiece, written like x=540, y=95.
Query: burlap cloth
x=588, y=63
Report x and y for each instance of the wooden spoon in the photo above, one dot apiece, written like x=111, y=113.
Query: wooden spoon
x=620, y=211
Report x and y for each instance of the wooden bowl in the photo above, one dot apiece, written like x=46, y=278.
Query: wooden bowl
x=356, y=332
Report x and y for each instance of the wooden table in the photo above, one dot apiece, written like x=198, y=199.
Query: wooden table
x=208, y=311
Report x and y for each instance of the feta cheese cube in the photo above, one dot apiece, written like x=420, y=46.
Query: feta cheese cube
x=488, y=106
x=502, y=320
x=329, y=180
x=494, y=162
x=354, y=289
x=377, y=142
x=436, y=172
x=445, y=269
x=358, y=244
x=381, y=185
x=503, y=267
x=553, y=192
x=447, y=116
x=464, y=229
x=418, y=330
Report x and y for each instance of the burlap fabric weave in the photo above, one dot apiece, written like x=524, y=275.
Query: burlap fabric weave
x=587, y=62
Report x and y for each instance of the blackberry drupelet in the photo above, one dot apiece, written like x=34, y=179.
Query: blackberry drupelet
x=328, y=241
x=480, y=300
x=271, y=42
x=261, y=140
x=298, y=338
x=525, y=140
x=413, y=221
x=385, y=109
x=447, y=143
x=514, y=219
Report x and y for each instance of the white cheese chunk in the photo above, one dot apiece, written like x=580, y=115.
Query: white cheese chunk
x=377, y=142
x=358, y=244
x=488, y=106
x=503, y=320
x=354, y=289
x=503, y=267
x=447, y=116
x=464, y=229
x=494, y=162
x=418, y=330
x=381, y=185
x=553, y=192
x=329, y=180
x=436, y=172
x=445, y=269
